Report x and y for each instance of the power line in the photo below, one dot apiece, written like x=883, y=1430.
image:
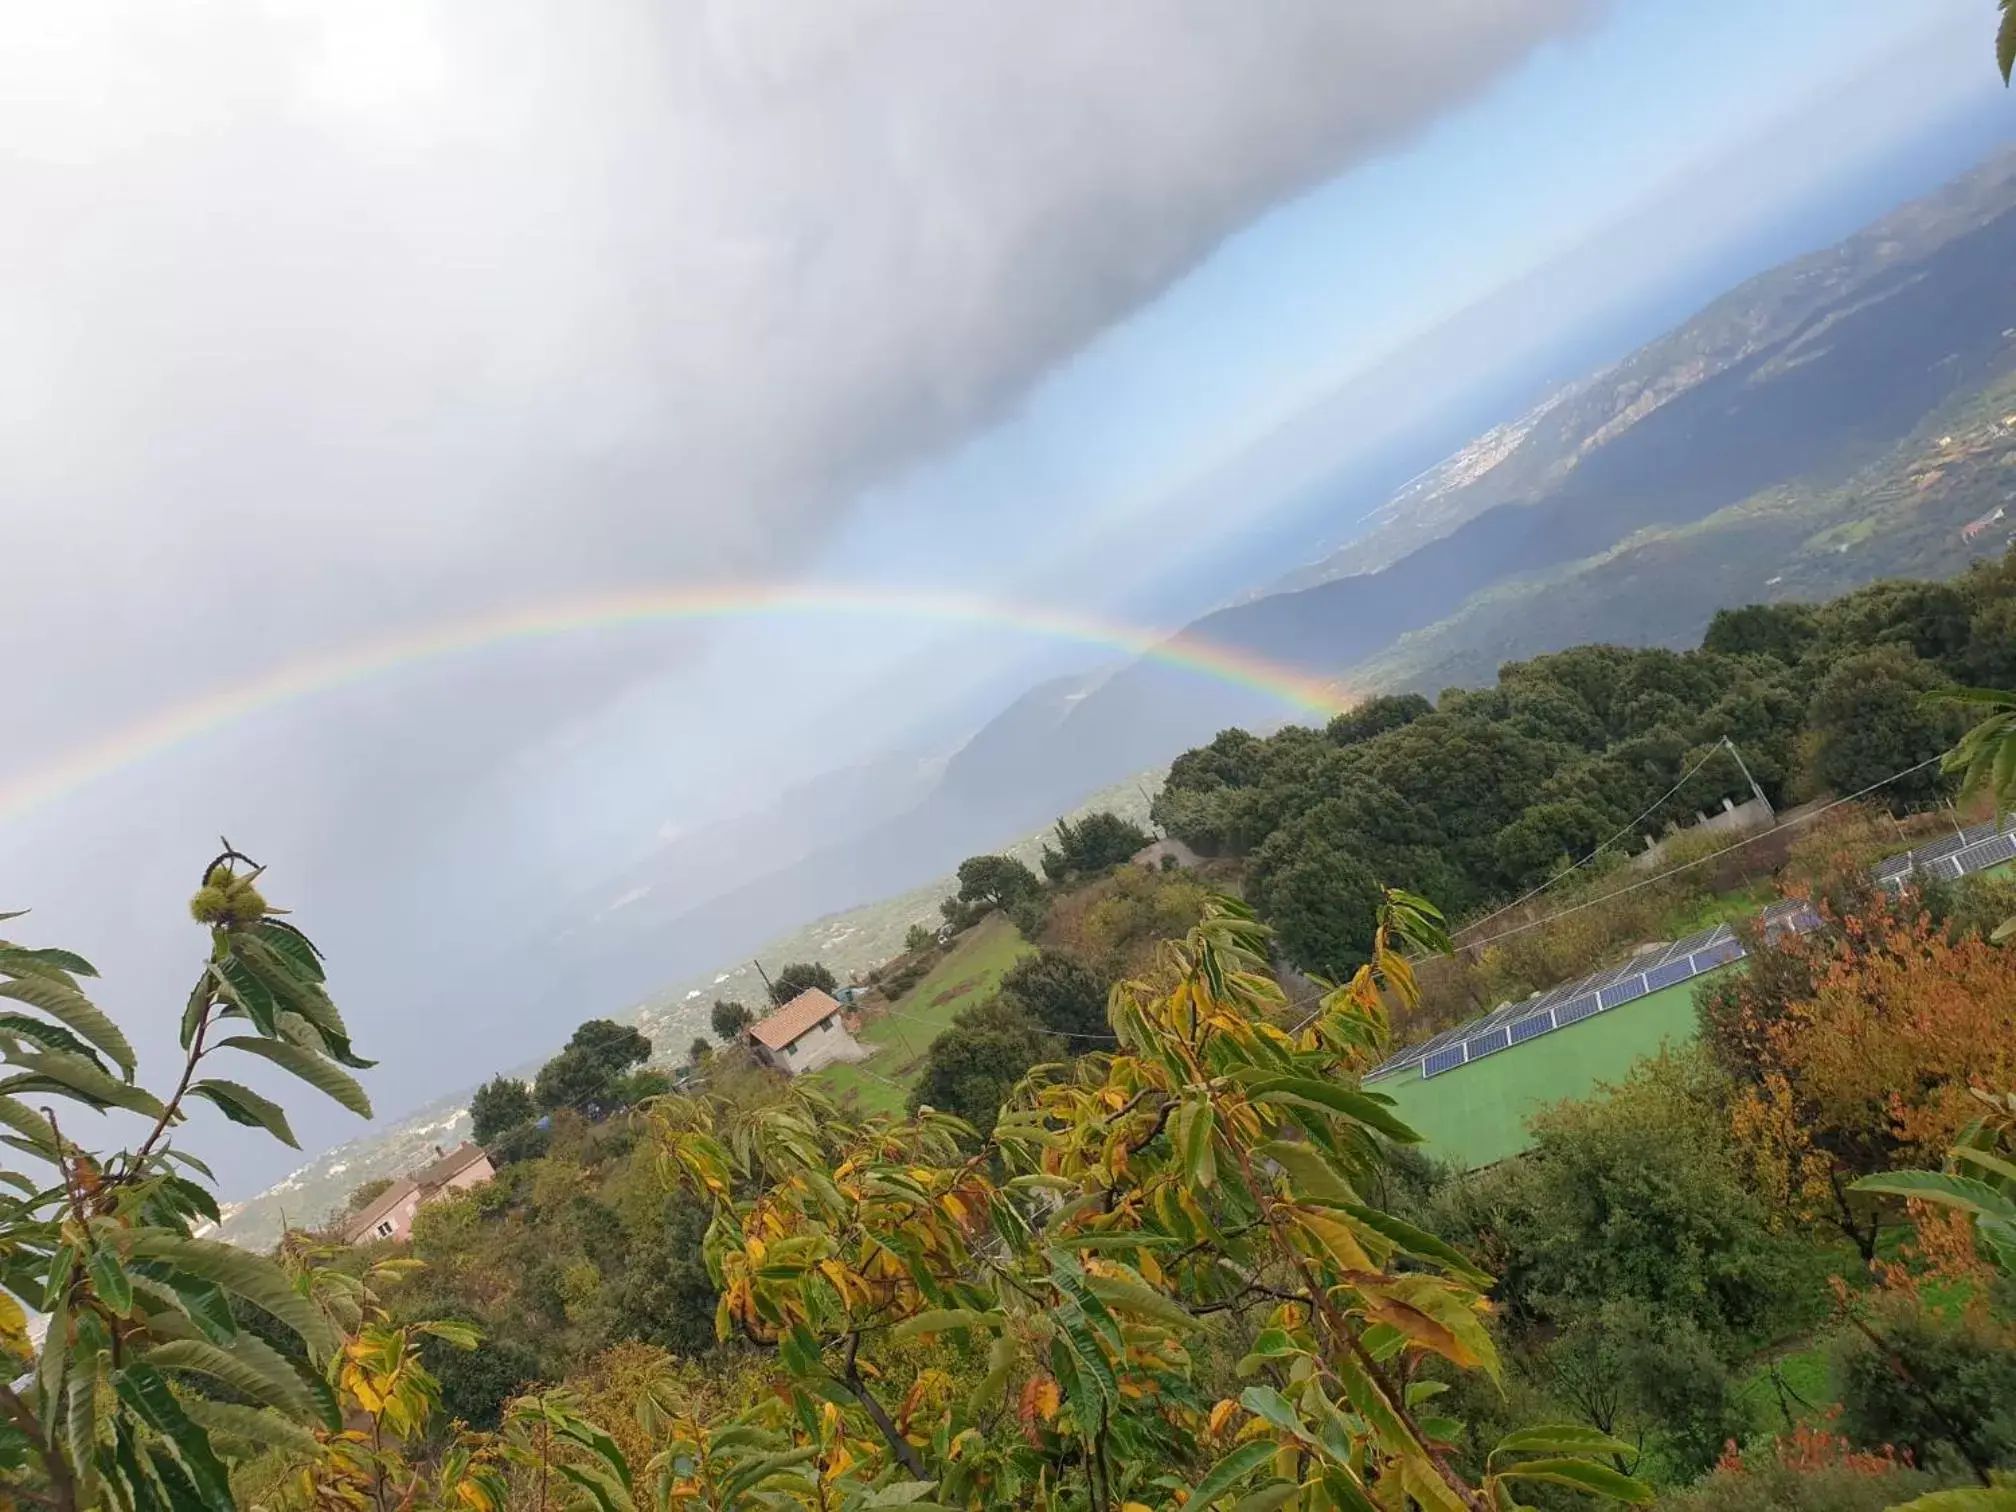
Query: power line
x=1674, y=871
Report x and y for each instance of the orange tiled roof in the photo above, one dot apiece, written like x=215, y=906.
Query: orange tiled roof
x=794, y=1019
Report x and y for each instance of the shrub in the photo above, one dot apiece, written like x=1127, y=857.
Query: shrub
x=1942, y=1388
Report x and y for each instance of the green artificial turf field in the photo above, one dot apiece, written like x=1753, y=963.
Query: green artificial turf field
x=1476, y=1115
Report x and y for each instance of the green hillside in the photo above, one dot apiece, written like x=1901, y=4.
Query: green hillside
x=970, y=972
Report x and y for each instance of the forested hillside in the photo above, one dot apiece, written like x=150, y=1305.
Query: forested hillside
x=1486, y=793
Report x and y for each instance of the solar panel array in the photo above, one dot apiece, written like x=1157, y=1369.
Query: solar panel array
x=1653, y=970
x=1951, y=857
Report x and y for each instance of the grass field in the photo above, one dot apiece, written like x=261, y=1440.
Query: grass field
x=968, y=974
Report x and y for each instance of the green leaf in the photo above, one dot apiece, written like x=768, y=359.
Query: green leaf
x=1231, y=1470
x=20, y=960
x=242, y=1105
x=599, y=1485
x=1994, y=1165
x=1104, y=1244
x=72, y=1076
x=47, y=1035
x=303, y=959
x=71, y=1008
x=249, y=1366
x=1368, y=1108
x=1559, y=1438
x=1000, y=1363
x=256, y=1279
x=1131, y=1299
x=310, y=1067
x=455, y=1335
x=1419, y=1243
x=1345, y=1492
x=1267, y=1498
x=81, y=1422
x=1369, y=1399
x=901, y=1494
x=1192, y=1128
x=944, y=1321
x=280, y=972
x=258, y=1427
x=1091, y=1358
x=598, y=1442
x=2005, y=40
x=144, y=1391
x=109, y=1280
x=1266, y=1403
x=245, y=995
x=1583, y=1475
x=32, y=1125
x=1962, y=1192
x=1311, y=1178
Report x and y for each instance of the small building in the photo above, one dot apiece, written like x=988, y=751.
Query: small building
x=805, y=1034
x=390, y=1214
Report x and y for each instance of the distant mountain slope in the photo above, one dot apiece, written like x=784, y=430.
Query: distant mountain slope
x=1522, y=459
x=1926, y=510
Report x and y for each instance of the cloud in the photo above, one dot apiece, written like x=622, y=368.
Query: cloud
x=329, y=319
x=348, y=314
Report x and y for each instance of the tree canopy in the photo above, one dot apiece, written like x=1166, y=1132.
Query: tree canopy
x=998, y=881
x=587, y=1075
x=1062, y=994
x=1095, y=843
x=500, y=1105
x=1482, y=794
x=729, y=1018
x=800, y=976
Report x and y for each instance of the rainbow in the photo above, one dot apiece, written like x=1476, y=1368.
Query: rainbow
x=212, y=712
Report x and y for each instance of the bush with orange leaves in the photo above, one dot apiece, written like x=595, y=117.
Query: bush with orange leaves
x=1810, y=1469
x=1854, y=1049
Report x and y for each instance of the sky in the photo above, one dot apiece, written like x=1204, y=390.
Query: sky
x=330, y=325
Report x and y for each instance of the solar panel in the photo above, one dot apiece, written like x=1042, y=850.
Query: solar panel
x=1487, y=1044
x=1718, y=955
x=1504, y=1013
x=1992, y=851
x=1575, y=1012
x=1551, y=996
x=1672, y=974
x=1445, y=1060
x=1934, y=850
x=1531, y=1028
x=1693, y=943
x=1623, y=992
x=1602, y=979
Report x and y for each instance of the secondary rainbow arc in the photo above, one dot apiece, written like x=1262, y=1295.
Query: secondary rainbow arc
x=214, y=711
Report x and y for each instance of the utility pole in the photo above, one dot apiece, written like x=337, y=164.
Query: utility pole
x=769, y=991
x=1754, y=788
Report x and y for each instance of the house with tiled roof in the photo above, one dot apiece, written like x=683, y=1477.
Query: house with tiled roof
x=805, y=1034
x=390, y=1214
